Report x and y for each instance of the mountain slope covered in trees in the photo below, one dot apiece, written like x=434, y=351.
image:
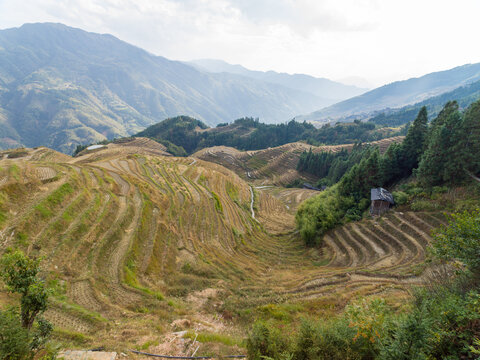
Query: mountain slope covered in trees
x=61, y=86
x=185, y=135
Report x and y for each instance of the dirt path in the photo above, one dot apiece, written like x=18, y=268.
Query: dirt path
x=251, y=203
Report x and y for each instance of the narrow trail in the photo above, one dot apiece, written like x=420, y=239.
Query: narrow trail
x=251, y=203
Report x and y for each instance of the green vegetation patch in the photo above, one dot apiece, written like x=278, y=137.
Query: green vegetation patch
x=218, y=203
x=47, y=206
x=232, y=191
x=205, y=337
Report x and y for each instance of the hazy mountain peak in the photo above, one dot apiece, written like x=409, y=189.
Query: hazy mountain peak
x=356, y=81
x=321, y=87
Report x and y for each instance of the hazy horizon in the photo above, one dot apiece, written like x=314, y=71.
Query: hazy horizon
x=351, y=41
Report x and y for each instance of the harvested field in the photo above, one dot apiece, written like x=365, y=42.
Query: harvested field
x=277, y=165
x=137, y=242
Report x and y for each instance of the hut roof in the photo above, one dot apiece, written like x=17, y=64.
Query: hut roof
x=381, y=194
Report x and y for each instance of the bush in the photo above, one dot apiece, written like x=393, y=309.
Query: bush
x=265, y=341
x=442, y=325
x=460, y=240
x=400, y=197
x=14, y=339
x=424, y=205
x=321, y=213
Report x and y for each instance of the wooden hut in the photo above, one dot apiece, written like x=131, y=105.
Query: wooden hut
x=381, y=201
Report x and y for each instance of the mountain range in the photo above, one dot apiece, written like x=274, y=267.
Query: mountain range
x=397, y=94
x=464, y=95
x=61, y=86
x=329, y=91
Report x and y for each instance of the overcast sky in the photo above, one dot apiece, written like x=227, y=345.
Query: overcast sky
x=378, y=40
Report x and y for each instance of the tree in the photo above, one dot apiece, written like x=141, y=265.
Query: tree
x=469, y=146
x=449, y=108
x=21, y=276
x=414, y=143
x=442, y=162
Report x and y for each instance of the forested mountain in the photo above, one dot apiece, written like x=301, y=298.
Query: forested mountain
x=397, y=94
x=61, y=86
x=464, y=96
x=184, y=135
x=330, y=91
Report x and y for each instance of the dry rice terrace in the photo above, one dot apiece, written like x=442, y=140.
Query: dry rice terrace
x=277, y=165
x=138, y=246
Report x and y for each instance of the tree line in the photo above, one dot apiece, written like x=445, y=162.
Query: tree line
x=181, y=136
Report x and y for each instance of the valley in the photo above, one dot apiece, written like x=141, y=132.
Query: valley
x=147, y=251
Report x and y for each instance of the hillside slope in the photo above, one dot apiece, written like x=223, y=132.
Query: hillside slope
x=61, y=86
x=276, y=165
x=189, y=135
x=137, y=247
x=398, y=94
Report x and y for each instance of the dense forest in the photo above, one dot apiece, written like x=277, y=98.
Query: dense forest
x=329, y=167
x=184, y=135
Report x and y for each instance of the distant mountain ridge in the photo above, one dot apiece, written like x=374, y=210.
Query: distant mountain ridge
x=397, y=94
x=330, y=91
x=464, y=95
x=61, y=86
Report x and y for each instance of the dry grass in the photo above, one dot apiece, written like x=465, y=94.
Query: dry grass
x=134, y=242
x=277, y=165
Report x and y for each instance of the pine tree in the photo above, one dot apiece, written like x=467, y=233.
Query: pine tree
x=441, y=162
x=448, y=109
x=414, y=143
x=469, y=146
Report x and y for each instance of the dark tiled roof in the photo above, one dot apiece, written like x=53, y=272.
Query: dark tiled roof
x=381, y=194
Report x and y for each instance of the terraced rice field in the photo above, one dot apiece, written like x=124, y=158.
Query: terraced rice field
x=277, y=165
x=133, y=242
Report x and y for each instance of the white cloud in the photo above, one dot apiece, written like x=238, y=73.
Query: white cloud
x=380, y=40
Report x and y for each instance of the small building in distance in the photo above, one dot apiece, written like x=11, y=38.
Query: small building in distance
x=381, y=201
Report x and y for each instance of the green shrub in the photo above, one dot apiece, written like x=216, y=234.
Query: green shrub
x=460, y=240
x=14, y=339
x=424, y=205
x=400, y=197
x=265, y=341
x=334, y=340
x=321, y=213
